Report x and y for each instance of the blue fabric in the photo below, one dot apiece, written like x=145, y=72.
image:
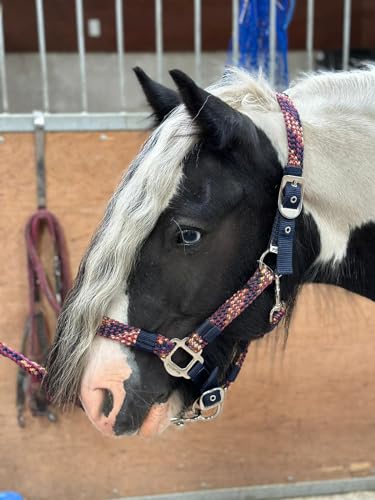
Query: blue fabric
x=213, y=398
x=199, y=375
x=208, y=331
x=254, y=19
x=233, y=374
x=284, y=264
x=146, y=341
x=297, y=171
x=283, y=231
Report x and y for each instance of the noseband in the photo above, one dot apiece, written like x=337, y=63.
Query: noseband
x=199, y=369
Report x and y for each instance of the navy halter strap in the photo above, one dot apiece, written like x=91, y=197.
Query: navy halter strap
x=200, y=369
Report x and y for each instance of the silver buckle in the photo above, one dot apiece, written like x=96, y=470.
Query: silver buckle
x=181, y=371
x=290, y=213
x=271, y=249
x=210, y=394
x=199, y=412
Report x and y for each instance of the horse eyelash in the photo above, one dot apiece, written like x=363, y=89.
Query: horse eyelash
x=182, y=236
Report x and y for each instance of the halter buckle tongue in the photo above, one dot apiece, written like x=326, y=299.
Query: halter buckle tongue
x=182, y=371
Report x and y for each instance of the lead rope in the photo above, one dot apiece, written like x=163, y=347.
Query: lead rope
x=36, y=338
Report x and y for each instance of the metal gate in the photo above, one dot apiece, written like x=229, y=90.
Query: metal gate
x=124, y=119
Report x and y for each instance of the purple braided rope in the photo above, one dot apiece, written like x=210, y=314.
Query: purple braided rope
x=243, y=298
x=128, y=335
x=34, y=369
x=294, y=130
x=222, y=317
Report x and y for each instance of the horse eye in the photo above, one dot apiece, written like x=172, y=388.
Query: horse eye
x=188, y=237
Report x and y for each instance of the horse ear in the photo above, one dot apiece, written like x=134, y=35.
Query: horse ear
x=222, y=124
x=161, y=99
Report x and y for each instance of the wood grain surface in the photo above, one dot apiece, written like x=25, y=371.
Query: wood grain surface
x=306, y=413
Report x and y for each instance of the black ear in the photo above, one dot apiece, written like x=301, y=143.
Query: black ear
x=218, y=121
x=161, y=99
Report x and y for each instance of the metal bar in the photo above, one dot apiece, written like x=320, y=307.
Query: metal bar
x=159, y=38
x=75, y=122
x=198, y=40
x=81, y=52
x=272, y=54
x=120, y=50
x=310, y=34
x=346, y=34
x=274, y=491
x=3, y=73
x=42, y=52
x=38, y=121
x=235, y=33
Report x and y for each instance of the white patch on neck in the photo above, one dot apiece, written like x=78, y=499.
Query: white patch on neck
x=118, y=308
x=337, y=111
x=338, y=115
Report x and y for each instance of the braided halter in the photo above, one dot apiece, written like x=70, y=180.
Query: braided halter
x=199, y=369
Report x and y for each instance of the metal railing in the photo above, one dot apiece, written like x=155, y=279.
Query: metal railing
x=124, y=119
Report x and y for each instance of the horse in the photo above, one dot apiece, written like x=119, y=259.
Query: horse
x=189, y=222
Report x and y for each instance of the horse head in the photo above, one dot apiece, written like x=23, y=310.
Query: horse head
x=181, y=234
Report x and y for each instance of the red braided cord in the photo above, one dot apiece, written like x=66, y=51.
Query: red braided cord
x=294, y=130
x=39, y=284
x=37, y=274
x=222, y=317
x=34, y=369
x=128, y=335
x=243, y=298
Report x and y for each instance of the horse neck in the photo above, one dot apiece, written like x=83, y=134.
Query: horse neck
x=339, y=133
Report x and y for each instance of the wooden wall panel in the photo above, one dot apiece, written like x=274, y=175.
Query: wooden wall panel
x=305, y=414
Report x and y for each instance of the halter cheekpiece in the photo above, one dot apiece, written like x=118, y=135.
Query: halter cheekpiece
x=198, y=369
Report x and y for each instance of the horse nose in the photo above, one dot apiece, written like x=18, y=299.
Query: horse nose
x=102, y=405
x=102, y=391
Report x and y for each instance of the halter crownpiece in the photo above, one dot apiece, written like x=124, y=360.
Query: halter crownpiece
x=199, y=369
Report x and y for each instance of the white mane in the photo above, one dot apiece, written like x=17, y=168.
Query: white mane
x=156, y=173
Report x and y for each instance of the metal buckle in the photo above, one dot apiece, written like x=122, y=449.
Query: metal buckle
x=215, y=396
x=200, y=412
x=181, y=371
x=295, y=180
x=271, y=249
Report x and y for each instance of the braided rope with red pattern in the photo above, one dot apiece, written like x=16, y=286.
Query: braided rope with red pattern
x=294, y=130
x=222, y=317
x=128, y=335
x=243, y=298
x=34, y=369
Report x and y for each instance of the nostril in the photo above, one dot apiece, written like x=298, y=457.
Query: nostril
x=107, y=405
